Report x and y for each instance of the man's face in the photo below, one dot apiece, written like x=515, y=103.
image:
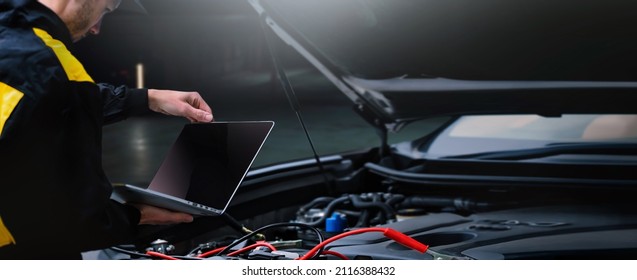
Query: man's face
x=85, y=16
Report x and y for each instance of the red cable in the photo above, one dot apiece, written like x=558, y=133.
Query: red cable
x=160, y=255
x=258, y=244
x=211, y=252
x=326, y=252
x=388, y=232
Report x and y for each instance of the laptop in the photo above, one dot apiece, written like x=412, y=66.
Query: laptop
x=203, y=169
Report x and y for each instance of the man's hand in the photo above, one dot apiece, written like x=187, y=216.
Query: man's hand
x=180, y=103
x=151, y=215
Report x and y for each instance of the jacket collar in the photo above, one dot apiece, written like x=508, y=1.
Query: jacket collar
x=33, y=14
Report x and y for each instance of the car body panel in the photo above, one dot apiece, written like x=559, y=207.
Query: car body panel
x=395, y=101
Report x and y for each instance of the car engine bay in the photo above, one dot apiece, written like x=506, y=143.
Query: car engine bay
x=374, y=216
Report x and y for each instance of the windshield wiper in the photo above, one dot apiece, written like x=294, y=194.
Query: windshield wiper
x=555, y=149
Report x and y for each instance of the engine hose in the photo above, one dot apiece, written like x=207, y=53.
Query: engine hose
x=363, y=220
x=429, y=201
x=329, y=209
x=394, y=199
x=359, y=203
x=316, y=202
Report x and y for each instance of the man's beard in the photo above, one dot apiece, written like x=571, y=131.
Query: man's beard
x=80, y=22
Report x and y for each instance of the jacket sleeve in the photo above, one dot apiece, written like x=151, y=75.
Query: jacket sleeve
x=109, y=224
x=121, y=102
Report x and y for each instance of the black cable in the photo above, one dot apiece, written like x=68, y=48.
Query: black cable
x=130, y=253
x=140, y=255
x=226, y=239
x=186, y=258
x=203, y=246
x=236, y=225
x=247, y=236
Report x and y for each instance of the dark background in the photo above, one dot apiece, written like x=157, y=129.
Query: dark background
x=218, y=49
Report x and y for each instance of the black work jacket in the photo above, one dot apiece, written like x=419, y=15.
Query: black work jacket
x=54, y=195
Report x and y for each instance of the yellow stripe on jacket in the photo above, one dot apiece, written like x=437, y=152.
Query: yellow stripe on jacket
x=5, y=236
x=9, y=99
x=73, y=68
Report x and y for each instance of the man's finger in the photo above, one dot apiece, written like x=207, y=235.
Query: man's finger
x=199, y=115
x=183, y=218
x=198, y=102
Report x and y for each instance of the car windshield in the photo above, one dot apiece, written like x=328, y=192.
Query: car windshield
x=481, y=134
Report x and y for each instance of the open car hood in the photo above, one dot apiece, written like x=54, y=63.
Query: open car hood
x=400, y=61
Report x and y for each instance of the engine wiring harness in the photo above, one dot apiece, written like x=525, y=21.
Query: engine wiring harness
x=240, y=249
x=335, y=217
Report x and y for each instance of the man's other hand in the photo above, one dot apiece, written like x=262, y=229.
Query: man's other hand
x=180, y=103
x=151, y=215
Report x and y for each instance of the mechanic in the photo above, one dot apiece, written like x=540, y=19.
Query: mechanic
x=54, y=195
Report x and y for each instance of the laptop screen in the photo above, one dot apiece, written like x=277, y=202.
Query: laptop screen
x=208, y=161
